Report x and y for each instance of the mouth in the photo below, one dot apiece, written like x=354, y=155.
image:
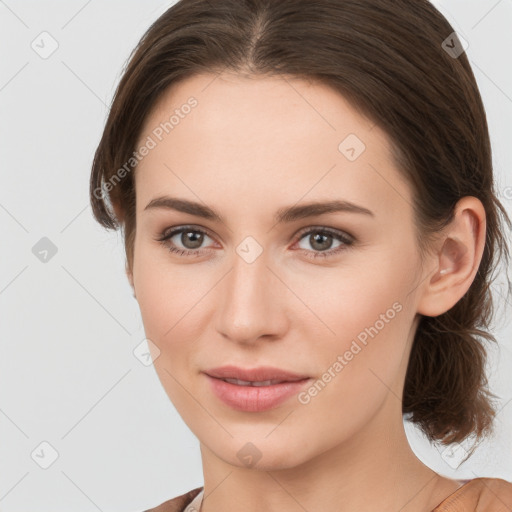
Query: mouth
x=239, y=382
x=255, y=396
x=260, y=376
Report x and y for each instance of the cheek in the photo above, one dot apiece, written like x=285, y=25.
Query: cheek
x=357, y=311
x=169, y=304
x=173, y=300
x=348, y=300
x=364, y=362
x=368, y=313
x=164, y=293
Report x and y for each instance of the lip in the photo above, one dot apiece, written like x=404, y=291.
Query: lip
x=258, y=374
x=255, y=398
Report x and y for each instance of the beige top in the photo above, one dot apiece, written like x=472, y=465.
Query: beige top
x=195, y=505
x=477, y=495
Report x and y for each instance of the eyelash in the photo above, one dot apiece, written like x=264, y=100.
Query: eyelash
x=347, y=240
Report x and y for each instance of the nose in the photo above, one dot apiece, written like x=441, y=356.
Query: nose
x=251, y=302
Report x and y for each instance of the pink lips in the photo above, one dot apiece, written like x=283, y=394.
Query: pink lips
x=255, y=398
x=254, y=374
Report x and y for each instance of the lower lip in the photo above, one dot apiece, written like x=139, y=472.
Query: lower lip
x=255, y=398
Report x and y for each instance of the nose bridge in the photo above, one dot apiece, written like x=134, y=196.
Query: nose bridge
x=250, y=305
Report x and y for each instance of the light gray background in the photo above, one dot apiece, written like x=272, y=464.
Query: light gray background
x=68, y=374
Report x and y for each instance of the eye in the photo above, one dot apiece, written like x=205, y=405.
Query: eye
x=321, y=239
x=190, y=237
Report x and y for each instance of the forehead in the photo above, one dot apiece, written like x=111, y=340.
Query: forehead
x=266, y=139
x=261, y=106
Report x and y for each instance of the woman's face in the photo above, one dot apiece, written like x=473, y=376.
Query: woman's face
x=328, y=295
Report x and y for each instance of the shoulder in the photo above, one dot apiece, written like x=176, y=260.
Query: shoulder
x=178, y=503
x=495, y=495
x=480, y=495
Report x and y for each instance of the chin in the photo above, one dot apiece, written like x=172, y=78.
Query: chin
x=261, y=454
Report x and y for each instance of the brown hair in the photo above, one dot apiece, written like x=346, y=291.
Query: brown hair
x=391, y=61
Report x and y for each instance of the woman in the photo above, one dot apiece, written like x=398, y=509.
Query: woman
x=307, y=200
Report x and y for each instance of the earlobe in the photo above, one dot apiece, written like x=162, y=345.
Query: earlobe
x=456, y=263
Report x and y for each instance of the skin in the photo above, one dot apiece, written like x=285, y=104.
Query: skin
x=251, y=146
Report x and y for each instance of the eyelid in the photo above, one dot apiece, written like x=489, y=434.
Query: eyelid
x=326, y=229
x=346, y=238
x=171, y=231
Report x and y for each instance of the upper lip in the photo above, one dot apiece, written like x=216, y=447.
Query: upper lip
x=259, y=374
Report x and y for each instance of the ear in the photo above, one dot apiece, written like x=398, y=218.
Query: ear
x=456, y=260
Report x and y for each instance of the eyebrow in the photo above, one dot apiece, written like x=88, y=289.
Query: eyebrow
x=287, y=214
